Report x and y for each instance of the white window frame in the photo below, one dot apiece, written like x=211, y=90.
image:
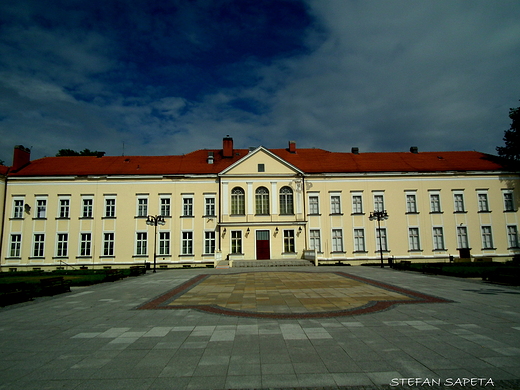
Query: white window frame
x=314, y=204
x=435, y=202
x=85, y=244
x=209, y=242
x=512, y=236
x=141, y=243
x=384, y=239
x=38, y=248
x=62, y=244
x=142, y=206
x=262, y=201
x=379, y=200
x=289, y=241
x=187, y=206
x=483, y=201
x=109, y=239
x=164, y=243
x=165, y=205
x=458, y=202
x=187, y=243
x=414, y=239
x=41, y=207
x=462, y=237
x=64, y=207
x=357, y=202
x=411, y=202
x=110, y=207
x=335, y=203
x=236, y=242
x=210, y=206
x=337, y=241
x=87, y=207
x=438, y=238
x=509, y=200
x=315, y=239
x=15, y=245
x=18, y=207
x=286, y=205
x=487, y=237
x=359, y=240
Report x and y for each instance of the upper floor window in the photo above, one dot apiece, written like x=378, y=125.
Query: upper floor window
x=87, y=207
x=286, y=201
x=314, y=205
x=262, y=201
x=18, y=208
x=165, y=207
x=483, y=204
x=110, y=207
x=335, y=204
x=435, y=203
x=209, y=206
x=187, y=207
x=508, y=201
x=41, y=208
x=411, y=203
x=142, y=207
x=458, y=199
x=357, y=204
x=379, y=204
x=238, y=201
x=64, y=208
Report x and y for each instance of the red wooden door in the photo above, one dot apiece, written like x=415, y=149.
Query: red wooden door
x=263, y=251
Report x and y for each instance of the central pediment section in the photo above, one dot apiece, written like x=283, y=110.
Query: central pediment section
x=261, y=162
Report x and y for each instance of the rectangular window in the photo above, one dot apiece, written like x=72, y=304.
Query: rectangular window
x=39, y=243
x=413, y=237
x=359, y=240
x=483, y=204
x=512, y=236
x=87, y=208
x=357, y=204
x=108, y=244
x=379, y=204
x=435, y=203
x=335, y=204
x=85, y=244
x=411, y=203
x=462, y=237
x=381, y=240
x=508, y=202
x=315, y=240
x=110, y=207
x=164, y=243
x=438, y=239
x=141, y=243
x=487, y=238
x=18, y=208
x=261, y=167
x=288, y=241
x=142, y=207
x=236, y=241
x=337, y=240
x=187, y=243
x=62, y=247
x=165, y=207
x=314, y=205
x=16, y=243
x=187, y=207
x=64, y=208
x=209, y=243
x=41, y=208
x=209, y=207
x=458, y=199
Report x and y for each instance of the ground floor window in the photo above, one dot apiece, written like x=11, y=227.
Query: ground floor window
x=209, y=243
x=359, y=240
x=315, y=240
x=337, y=240
x=141, y=243
x=108, y=244
x=288, y=241
x=187, y=243
x=16, y=241
x=62, y=248
x=236, y=242
x=462, y=237
x=164, y=243
x=39, y=242
x=86, y=244
x=413, y=237
x=487, y=238
x=438, y=239
x=381, y=242
x=512, y=236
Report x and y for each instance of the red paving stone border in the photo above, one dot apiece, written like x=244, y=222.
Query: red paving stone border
x=161, y=302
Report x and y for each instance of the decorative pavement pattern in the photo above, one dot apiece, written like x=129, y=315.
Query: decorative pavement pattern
x=288, y=295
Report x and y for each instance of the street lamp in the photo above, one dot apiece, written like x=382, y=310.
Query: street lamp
x=379, y=216
x=154, y=221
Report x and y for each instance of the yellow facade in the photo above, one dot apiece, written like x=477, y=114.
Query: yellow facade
x=260, y=207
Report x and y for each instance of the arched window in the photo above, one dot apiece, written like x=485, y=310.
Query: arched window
x=286, y=200
x=262, y=201
x=238, y=201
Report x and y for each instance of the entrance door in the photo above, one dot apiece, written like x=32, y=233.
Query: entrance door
x=262, y=245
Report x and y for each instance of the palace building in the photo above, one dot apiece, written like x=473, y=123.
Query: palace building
x=255, y=204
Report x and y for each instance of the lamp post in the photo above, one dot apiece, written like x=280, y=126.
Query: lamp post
x=154, y=221
x=379, y=216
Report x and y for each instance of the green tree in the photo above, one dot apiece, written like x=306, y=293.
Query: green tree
x=84, y=152
x=512, y=138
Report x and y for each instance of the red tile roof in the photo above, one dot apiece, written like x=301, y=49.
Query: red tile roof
x=307, y=160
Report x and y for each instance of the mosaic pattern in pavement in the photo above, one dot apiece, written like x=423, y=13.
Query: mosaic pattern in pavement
x=286, y=295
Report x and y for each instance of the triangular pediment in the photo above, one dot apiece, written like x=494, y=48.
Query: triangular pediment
x=261, y=162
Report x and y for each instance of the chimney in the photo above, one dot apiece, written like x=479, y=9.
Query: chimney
x=355, y=150
x=414, y=149
x=21, y=157
x=210, y=157
x=292, y=146
x=227, y=147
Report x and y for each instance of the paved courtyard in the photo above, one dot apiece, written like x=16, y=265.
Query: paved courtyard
x=293, y=327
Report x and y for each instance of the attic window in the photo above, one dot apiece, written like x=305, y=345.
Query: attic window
x=261, y=167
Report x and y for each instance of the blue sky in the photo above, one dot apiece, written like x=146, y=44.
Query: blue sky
x=169, y=77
